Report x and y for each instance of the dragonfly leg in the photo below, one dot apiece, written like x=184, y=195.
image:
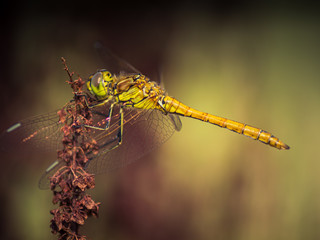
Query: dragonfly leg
x=119, y=136
x=93, y=105
x=85, y=99
x=108, y=119
x=120, y=132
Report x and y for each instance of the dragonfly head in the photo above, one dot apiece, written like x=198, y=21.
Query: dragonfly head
x=99, y=84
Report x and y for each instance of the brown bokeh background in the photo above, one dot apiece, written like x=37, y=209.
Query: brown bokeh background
x=255, y=63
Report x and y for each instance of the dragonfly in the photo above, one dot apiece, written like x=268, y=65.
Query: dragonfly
x=132, y=115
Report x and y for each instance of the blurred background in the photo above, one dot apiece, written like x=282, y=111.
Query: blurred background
x=252, y=62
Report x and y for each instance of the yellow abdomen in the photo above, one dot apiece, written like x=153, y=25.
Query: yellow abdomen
x=172, y=105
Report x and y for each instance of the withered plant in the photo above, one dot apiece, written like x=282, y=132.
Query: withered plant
x=71, y=181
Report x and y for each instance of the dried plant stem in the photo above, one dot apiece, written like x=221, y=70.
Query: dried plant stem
x=70, y=181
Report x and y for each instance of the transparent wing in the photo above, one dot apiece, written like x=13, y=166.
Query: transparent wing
x=40, y=132
x=113, y=63
x=117, y=65
x=143, y=131
x=176, y=121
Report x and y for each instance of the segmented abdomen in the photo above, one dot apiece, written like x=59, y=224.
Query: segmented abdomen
x=172, y=105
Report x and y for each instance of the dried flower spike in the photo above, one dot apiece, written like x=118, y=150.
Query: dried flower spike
x=71, y=181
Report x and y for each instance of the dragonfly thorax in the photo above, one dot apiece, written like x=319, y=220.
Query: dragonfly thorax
x=131, y=90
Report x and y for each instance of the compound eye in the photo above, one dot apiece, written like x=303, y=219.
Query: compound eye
x=96, y=79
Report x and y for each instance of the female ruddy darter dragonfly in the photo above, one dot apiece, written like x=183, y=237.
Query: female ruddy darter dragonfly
x=131, y=116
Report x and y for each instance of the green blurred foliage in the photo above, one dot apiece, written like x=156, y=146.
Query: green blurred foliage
x=250, y=63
